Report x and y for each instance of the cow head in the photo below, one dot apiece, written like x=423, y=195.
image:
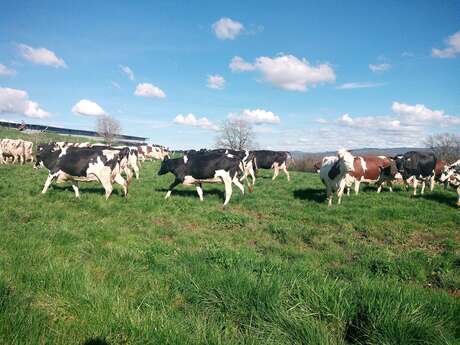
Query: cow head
x=165, y=166
x=346, y=159
x=399, y=161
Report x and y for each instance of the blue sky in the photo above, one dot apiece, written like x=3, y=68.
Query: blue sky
x=308, y=75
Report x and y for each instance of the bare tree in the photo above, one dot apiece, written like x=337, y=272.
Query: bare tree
x=236, y=135
x=108, y=128
x=446, y=146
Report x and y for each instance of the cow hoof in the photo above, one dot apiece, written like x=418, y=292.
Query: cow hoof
x=251, y=189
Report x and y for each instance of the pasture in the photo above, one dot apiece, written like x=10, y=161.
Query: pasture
x=275, y=267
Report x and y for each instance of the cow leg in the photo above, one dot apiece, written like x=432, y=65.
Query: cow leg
x=357, y=185
x=390, y=184
x=458, y=196
x=75, y=189
x=415, y=182
x=122, y=182
x=432, y=183
x=136, y=171
x=105, y=181
x=199, y=190
x=171, y=187
x=238, y=184
x=49, y=180
x=129, y=174
x=329, y=196
x=423, y=187
x=276, y=170
x=284, y=168
x=348, y=190
x=225, y=176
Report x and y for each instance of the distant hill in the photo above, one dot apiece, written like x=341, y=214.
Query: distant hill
x=364, y=151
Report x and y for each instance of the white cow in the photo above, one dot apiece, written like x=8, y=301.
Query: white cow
x=333, y=173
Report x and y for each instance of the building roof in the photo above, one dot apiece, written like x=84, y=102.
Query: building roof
x=69, y=131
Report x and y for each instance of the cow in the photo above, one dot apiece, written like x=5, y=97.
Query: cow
x=438, y=170
x=83, y=164
x=415, y=167
x=149, y=152
x=451, y=175
x=333, y=173
x=246, y=157
x=276, y=160
x=372, y=169
x=28, y=151
x=210, y=167
x=13, y=148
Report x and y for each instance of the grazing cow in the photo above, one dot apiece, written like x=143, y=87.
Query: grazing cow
x=265, y=159
x=417, y=166
x=210, y=167
x=372, y=169
x=333, y=173
x=451, y=175
x=83, y=164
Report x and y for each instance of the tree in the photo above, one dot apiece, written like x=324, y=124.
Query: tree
x=236, y=135
x=446, y=146
x=108, y=128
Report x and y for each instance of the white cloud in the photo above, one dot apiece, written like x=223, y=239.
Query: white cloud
x=149, y=90
x=191, y=120
x=216, y=82
x=452, y=49
x=256, y=116
x=17, y=102
x=127, y=71
x=287, y=71
x=358, y=85
x=381, y=67
x=405, y=118
x=5, y=71
x=416, y=113
x=41, y=56
x=227, y=29
x=88, y=108
x=239, y=65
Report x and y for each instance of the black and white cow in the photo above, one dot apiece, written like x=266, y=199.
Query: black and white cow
x=276, y=160
x=334, y=174
x=248, y=160
x=417, y=166
x=451, y=175
x=83, y=164
x=208, y=167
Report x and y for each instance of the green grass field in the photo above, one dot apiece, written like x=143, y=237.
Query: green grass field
x=275, y=267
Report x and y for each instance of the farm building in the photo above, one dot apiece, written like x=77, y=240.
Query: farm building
x=31, y=128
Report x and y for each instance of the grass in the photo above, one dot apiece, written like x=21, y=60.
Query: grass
x=275, y=267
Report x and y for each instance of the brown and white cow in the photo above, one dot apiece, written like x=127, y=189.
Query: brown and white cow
x=373, y=169
x=149, y=152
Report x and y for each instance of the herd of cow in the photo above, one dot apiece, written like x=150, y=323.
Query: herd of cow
x=77, y=162
x=345, y=170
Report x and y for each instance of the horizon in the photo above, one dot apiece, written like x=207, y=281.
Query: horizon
x=315, y=78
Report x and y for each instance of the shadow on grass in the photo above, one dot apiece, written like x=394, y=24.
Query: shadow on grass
x=94, y=190
x=441, y=198
x=191, y=192
x=312, y=194
x=96, y=341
